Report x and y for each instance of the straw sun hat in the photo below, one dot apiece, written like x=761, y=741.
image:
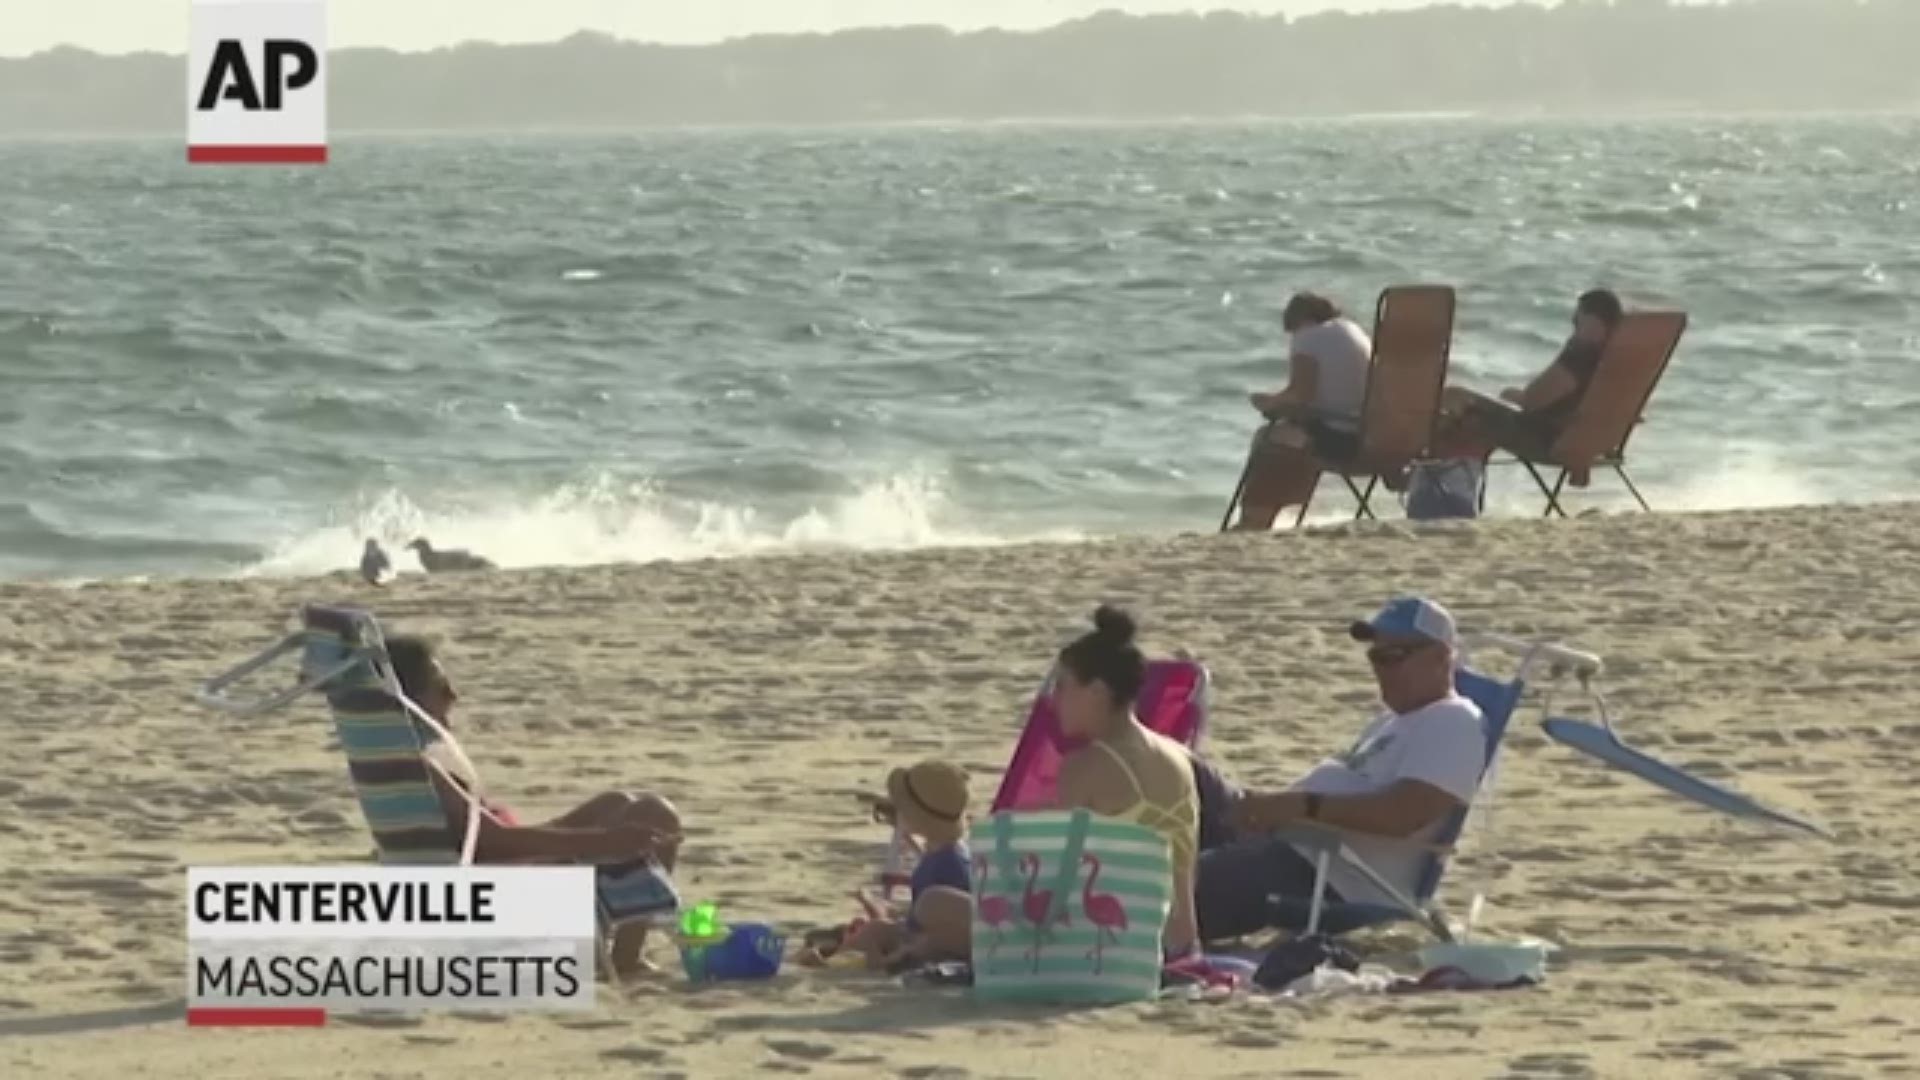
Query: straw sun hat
x=932, y=789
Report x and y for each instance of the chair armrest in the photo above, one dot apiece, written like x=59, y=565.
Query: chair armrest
x=1321, y=834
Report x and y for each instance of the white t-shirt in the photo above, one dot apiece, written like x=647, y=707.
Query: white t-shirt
x=1344, y=354
x=1443, y=744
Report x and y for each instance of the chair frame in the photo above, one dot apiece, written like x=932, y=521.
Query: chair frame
x=1329, y=843
x=1615, y=457
x=1363, y=496
x=326, y=633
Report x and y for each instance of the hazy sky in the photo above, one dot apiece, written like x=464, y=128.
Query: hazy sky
x=28, y=26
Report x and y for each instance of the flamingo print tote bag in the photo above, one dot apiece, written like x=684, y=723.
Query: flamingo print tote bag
x=1068, y=908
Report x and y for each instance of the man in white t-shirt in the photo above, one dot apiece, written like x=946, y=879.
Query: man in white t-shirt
x=1389, y=794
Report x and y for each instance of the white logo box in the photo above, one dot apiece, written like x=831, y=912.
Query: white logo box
x=294, y=129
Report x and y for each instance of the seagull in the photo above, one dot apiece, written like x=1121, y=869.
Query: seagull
x=439, y=562
x=374, y=564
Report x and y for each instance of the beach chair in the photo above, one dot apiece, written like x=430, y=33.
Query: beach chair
x=1635, y=358
x=344, y=657
x=1497, y=701
x=1412, y=343
x=1603, y=742
x=1172, y=702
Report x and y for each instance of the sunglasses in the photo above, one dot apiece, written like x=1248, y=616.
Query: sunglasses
x=1390, y=655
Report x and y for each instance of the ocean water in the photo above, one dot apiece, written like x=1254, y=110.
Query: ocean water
x=565, y=350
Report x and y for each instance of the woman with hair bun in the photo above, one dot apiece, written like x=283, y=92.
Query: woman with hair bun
x=1127, y=771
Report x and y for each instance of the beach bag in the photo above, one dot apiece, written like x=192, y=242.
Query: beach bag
x=1444, y=489
x=1068, y=908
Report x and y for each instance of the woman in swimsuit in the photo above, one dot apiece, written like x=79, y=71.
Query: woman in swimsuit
x=1127, y=771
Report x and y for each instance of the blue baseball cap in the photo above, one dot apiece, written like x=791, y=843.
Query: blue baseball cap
x=1408, y=616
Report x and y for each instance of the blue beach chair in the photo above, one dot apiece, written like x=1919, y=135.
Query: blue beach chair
x=344, y=657
x=1497, y=701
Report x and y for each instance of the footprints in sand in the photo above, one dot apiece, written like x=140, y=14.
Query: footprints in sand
x=637, y=1055
x=1552, y=1064
x=790, y=1055
x=800, y=1049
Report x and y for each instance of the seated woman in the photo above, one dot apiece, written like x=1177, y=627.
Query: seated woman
x=1528, y=420
x=1316, y=416
x=1126, y=771
x=612, y=827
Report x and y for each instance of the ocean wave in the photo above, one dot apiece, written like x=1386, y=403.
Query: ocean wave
x=777, y=330
x=603, y=520
x=32, y=541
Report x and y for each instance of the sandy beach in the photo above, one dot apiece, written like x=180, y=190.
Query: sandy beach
x=1774, y=651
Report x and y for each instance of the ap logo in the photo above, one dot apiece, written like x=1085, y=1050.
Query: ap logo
x=257, y=82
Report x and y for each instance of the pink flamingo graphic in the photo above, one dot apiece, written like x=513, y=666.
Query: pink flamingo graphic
x=996, y=911
x=1035, y=906
x=1103, y=910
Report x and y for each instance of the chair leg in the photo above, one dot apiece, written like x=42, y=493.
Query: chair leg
x=1552, y=493
x=1302, y=516
x=1320, y=866
x=1226, y=520
x=1621, y=468
x=1365, y=510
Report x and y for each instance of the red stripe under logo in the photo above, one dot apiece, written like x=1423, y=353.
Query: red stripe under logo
x=257, y=155
x=256, y=1017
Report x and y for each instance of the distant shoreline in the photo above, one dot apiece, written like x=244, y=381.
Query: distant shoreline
x=1675, y=114
x=1522, y=60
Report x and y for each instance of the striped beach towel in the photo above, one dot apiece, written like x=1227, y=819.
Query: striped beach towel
x=1068, y=908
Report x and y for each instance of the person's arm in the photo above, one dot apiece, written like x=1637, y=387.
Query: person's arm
x=1400, y=809
x=1442, y=756
x=1553, y=385
x=1303, y=382
x=1217, y=801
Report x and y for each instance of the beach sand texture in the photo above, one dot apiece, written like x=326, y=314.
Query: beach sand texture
x=1772, y=650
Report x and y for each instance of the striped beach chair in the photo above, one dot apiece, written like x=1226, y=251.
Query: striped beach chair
x=343, y=656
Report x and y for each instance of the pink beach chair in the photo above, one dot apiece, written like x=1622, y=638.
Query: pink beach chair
x=1173, y=702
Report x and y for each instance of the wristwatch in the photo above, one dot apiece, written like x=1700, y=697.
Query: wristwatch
x=1313, y=806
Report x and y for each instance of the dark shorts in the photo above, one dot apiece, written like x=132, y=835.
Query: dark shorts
x=1327, y=442
x=1332, y=443
x=1231, y=886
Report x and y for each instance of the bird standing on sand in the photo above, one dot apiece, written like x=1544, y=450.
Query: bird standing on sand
x=374, y=564
x=440, y=562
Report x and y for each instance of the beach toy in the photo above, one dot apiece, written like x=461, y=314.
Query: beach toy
x=746, y=951
x=701, y=922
